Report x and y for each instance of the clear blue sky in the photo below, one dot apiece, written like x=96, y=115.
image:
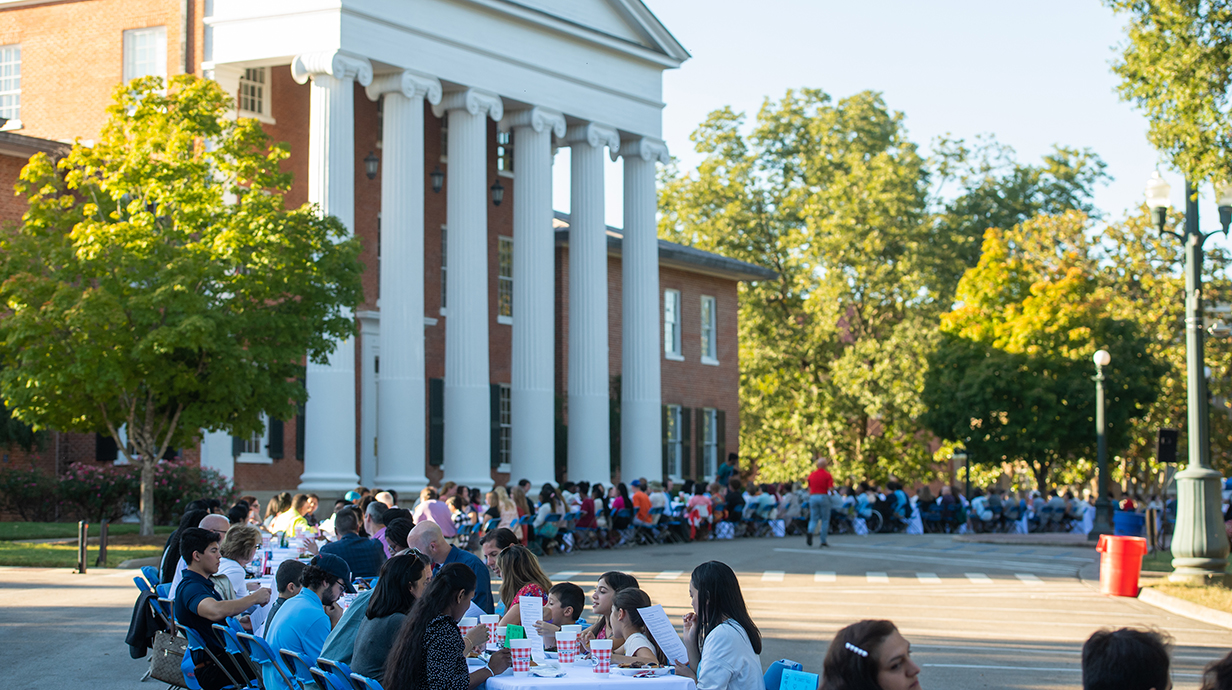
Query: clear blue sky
x=1032, y=74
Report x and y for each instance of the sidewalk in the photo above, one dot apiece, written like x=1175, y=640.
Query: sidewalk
x=1037, y=539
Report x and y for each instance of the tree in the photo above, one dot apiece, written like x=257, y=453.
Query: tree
x=833, y=197
x=1176, y=66
x=1012, y=377
x=158, y=280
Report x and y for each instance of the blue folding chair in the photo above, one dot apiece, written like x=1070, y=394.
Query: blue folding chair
x=491, y=525
x=231, y=643
x=326, y=680
x=188, y=667
x=167, y=606
x=774, y=674
x=259, y=651
x=365, y=683
x=338, y=670
x=141, y=584
x=298, y=665
x=151, y=575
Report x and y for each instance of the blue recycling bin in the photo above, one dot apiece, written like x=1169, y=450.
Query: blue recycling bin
x=1126, y=523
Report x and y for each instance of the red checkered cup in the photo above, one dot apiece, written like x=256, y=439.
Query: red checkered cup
x=490, y=622
x=500, y=636
x=467, y=624
x=566, y=647
x=601, y=650
x=520, y=651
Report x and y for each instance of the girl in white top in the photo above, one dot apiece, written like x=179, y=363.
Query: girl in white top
x=722, y=641
x=627, y=623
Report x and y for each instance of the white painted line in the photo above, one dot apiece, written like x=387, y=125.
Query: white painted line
x=979, y=578
x=564, y=576
x=1006, y=668
x=1028, y=579
x=881, y=578
x=928, y=578
x=669, y=575
x=823, y=576
x=772, y=576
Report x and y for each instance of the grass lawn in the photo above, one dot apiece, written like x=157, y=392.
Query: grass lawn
x=67, y=530
x=64, y=555
x=1210, y=596
x=1161, y=562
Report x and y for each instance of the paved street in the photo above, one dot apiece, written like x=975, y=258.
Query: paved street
x=978, y=615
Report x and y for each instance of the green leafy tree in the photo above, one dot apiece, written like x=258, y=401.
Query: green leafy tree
x=1176, y=66
x=158, y=280
x=1012, y=377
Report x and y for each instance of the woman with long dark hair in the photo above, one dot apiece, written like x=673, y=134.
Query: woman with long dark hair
x=601, y=601
x=722, y=641
x=430, y=653
x=870, y=655
x=403, y=579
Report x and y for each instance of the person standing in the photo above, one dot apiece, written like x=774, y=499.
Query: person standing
x=820, y=484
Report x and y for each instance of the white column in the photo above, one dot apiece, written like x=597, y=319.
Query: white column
x=402, y=419
x=468, y=440
x=329, y=437
x=589, y=431
x=641, y=448
x=532, y=401
x=369, y=353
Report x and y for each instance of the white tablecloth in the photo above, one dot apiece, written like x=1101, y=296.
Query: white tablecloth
x=584, y=678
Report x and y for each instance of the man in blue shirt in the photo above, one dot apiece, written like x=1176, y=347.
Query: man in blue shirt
x=198, y=606
x=428, y=539
x=302, y=623
x=363, y=556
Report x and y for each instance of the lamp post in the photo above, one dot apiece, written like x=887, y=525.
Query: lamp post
x=1103, y=508
x=960, y=454
x=1199, y=544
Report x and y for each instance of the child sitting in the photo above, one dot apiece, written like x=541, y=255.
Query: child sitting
x=564, y=607
x=627, y=622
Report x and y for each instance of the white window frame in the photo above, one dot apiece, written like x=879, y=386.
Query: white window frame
x=444, y=268
x=261, y=455
x=709, y=339
x=671, y=325
x=675, y=442
x=504, y=280
x=132, y=39
x=504, y=153
x=710, y=442
x=506, y=427
x=10, y=59
x=249, y=80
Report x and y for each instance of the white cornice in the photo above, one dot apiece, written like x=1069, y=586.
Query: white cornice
x=539, y=119
x=337, y=65
x=406, y=83
x=594, y=134
x=474, y=101
x=648, y=148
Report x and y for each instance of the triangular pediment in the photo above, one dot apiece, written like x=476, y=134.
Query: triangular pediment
x=628, y=20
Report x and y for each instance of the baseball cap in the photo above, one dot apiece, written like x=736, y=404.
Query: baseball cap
x=352, y=496
x=337, y=567
x=635, y=483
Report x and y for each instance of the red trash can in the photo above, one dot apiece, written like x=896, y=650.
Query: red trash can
x=1120, y=562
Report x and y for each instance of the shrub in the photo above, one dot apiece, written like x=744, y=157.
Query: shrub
x=31, y=493
x=100, y=492
x=176, y=484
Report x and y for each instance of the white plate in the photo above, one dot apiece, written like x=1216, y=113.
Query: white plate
x=665, y=671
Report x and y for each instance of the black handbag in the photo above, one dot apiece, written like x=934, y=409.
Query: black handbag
x=168, y=654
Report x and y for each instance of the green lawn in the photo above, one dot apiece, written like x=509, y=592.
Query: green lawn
x=68, y=530
x=65, y=555
x=1161, y=562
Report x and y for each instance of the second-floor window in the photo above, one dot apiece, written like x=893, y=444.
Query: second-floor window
x=145, y=53
x=671, y=324
x=10, y=82
x=504, y=152
x=504, y=288
x=253, y=95
x=710, y=351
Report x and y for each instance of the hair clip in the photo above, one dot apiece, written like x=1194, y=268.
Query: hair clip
x=857, y=650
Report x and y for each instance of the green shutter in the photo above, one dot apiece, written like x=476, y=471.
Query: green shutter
x=494, y=418
x=720, y=423
x=300, y=426
x=699, y=444
x=237, y=446
x=663, y=412
x=105, y=448
x=686, y=455
x=275, y=439
x=436, y=422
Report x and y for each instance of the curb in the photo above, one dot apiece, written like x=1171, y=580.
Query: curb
x=133, y=563
x=1009, y=540
x=1184, y=608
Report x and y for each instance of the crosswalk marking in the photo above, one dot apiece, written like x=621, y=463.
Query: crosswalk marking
x=565, y=576
x=928, y=578
x=1028, y=579
x=979, y=578
x=669, y=575
x=877, y=577
x=772, y=576
x=823, y=576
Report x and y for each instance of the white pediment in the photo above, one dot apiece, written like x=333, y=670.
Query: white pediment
x=629, y=20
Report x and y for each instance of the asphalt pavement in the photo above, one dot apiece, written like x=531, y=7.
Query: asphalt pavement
x=977, y=615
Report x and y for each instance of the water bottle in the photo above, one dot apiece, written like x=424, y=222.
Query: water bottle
x=500, y=608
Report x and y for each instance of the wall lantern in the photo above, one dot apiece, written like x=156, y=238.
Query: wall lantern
x=371, y=162
x=498, y=192
x=438, y=179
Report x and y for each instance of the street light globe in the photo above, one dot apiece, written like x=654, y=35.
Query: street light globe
x=1102, y=358
x=1158, y=192
x=1223, y=193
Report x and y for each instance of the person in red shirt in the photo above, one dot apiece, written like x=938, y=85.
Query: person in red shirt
x=820, y=484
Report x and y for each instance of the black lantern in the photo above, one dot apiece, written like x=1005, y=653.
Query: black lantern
x=370, y=164
x=498, y=192
x=438, y=179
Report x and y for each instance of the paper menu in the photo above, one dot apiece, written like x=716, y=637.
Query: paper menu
x=531, y=609
x=799, y=680
x=664, y=633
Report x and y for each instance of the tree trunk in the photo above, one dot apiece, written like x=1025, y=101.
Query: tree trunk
x=147, y=495
x=1040, y=469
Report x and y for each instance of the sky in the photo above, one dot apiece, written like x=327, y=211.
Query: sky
x=1032, y=74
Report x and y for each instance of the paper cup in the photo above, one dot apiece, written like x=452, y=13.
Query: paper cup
x=500, y=636
x=520, y=653
x=601, y=650
x=467, y=624
x=576, y=629
x=566, y=647
x=490, y=621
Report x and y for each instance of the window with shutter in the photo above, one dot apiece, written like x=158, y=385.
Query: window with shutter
x=275, y=439
x=105, y=448
x=494, y=405
x=686, y=449
x=436, y=422
x=252, y=449
x=672, y=440
x=720, y=423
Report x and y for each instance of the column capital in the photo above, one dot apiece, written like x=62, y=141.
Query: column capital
x=334, y=63
x=473, y=101
x=649, y=148
x=406, y=83
x=595, y=135
x=539, y=119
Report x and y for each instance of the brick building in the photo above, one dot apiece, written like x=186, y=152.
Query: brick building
x=495, y=337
